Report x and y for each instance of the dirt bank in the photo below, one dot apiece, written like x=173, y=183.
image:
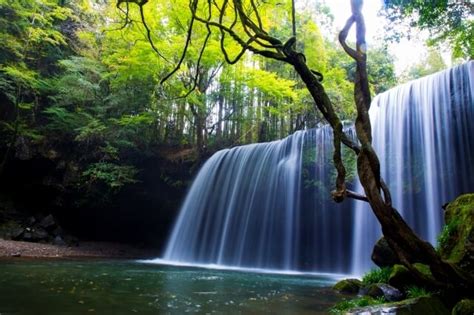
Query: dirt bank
x=83, y=249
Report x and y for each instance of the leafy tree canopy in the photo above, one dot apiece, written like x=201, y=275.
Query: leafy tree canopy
x=446, y=20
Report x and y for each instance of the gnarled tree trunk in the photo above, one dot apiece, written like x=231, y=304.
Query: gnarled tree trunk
x=401, y=238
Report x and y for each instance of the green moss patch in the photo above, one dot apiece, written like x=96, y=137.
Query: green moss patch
x=455, y=243
x=464, y=307
x=349, y=286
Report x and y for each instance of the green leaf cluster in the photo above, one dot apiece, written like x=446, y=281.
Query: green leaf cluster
x=113, y=175
x=447, y=21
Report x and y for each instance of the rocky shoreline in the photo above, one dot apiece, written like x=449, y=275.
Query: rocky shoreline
x=11, y=249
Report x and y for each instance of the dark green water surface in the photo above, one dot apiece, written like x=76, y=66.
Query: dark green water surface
x=128, y=287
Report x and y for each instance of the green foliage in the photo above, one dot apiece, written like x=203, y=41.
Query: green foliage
x=92, y=131
x=73, y=75
x=431, y=64
x=341, y=75
x=381, y=69
x=379, y=275
x=345, y=305
x=61, y=119
x=446, y=233
x=113, y=175
x=417, y=292
x=447, y=21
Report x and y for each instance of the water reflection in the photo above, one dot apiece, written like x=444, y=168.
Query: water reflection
x=71, y=287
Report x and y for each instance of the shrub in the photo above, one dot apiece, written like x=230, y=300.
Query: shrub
x=379, y=275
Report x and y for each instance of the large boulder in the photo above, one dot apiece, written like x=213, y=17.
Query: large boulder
x=58, y=240
x=401, y=278
x=456, y=241
x=464, y=307
x=348, y=286
x=377, y=290
x=48, y=223
x=16, y=233
x=39, y=234
x=383, y=255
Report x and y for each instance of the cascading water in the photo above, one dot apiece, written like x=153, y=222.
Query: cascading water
x=423, y=134
x=268, y=205
x=255, y=206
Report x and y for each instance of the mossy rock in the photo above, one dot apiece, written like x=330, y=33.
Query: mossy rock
x=388, y=292
x=456, y=241
x=464, y=307
x=422, y=305
x=348, y=286
x=374, y=291
x=424, y=269
x=401, y=278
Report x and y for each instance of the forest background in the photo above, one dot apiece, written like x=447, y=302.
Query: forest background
x=90, y=133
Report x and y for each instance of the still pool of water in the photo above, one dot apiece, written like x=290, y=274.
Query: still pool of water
x=128, y=287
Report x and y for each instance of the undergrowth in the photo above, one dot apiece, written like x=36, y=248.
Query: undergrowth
x=345, y=305
x=447, y=232
x=416, y=292
x=379, y=275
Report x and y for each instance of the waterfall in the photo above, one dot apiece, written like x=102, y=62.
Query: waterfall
x=268, y=205
x=423, y=134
